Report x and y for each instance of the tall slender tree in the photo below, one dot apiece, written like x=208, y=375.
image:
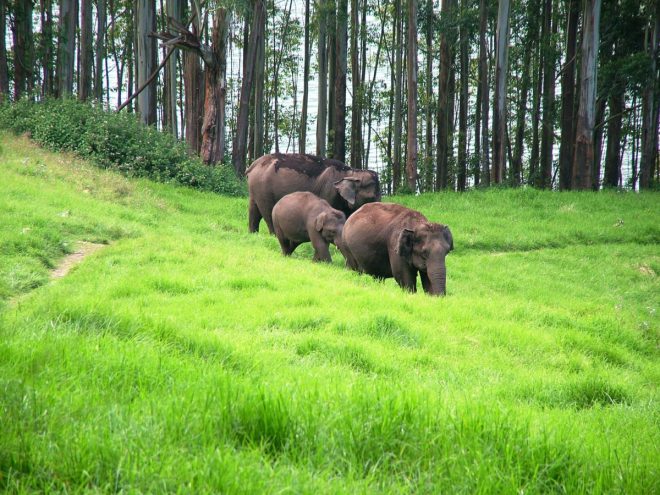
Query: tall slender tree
x=547, y=124
x=356, y=83
x=4, y=67
x=583, y=155
x=485, y=100
x=306, y=62
x=86, y=50
x=650, y=102
x=463, y=101
x=173, y=12
x=398, y=95
x=411, y=70
x=443, y=115
x=568, y=96
x=101, y=50
x=499, y=114
x=146, y=60
x=322, y=116
x=23, y=48
x=339, y=138
x=428, y=145
x=66, y=44
x=260, y=67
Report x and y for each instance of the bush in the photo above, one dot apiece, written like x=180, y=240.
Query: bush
x=116, y=141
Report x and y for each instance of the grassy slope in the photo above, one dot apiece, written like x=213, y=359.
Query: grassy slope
x=189, y=355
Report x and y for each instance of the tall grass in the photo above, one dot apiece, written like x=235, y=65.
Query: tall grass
x=191, y=356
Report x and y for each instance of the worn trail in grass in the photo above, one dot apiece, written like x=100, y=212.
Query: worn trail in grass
x=189, y=355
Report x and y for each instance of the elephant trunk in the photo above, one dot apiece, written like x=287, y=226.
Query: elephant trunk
x=437, y=273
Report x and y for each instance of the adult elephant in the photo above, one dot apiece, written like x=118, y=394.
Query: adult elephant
x=389, y=240
x=273, y=176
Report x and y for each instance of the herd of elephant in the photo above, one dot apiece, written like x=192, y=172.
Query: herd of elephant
x=305, y=198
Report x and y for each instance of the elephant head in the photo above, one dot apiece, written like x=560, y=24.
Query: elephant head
x=330, y=224
x=359, y=188
x=425, y=247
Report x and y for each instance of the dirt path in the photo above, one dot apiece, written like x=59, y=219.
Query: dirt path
x=83, y=249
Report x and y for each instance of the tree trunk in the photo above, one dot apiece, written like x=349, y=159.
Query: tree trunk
x=85, y=50
x=194, y=95
x=411, y=154
x=23, y=48
x=499, y=117
x=357, y=146
x=239, y=150
x=146, y=60
x=568, y=98
x=483, y=82
x=303, y=113
x=601, y=103
x=614, y=127
x=547, y=129
x=583, y=158
x=66, y=47
x=443, y=123
x=173, y=11
x=213, y=125
x=4, y=67
x=463, y=104
x=101, y=51
x=533, y=171
x=428, y=148
x=322, y=117
x=260, y=63
x=332, y=71
x=650, y=106
x=398, y=96
x=46, y=46
x=339, y=140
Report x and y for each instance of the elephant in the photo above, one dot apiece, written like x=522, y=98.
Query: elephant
x=271, y=177
x=303, y=217
x=389, y=240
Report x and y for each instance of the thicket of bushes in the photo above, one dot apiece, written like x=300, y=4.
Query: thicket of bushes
x=116, y=141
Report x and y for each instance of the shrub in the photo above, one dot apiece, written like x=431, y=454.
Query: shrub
x=117, y=141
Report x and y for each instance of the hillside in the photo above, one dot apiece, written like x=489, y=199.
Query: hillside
x=188, y=355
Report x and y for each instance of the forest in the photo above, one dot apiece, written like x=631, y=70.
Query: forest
x=454, y=94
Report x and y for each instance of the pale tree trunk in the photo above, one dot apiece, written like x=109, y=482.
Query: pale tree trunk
x=146, y=60
x=213, y=125
x=485, y=98
x=302, y=145
x=443, y=116
x=650, y=106
x=411, y=155
x=239, y=150
x=398, y=96
x=499, y=115
x=4, y=67
x=101, y=16
x=568, y=98
x=66, y=47
x=23, y=48
x=339, y=140
x=322, y=117
x=547, y=133
x=85, y=50
x=258, y=128
x=428, y=156
x=601, y=103
x=583, y=157
x=356, y=112
x=463, y=104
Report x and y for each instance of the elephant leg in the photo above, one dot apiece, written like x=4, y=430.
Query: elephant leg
x=403, y=273
x=268, y=218
x=426, y=282
x=321, y=249
x=351, y=262
x=254, y=216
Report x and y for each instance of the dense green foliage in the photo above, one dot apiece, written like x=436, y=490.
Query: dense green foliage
x=117, y=141
x=189, y=355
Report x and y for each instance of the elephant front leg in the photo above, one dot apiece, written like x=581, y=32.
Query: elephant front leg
x=321, y=249
x=403, y=273
x=426, y=282
x=254, y=216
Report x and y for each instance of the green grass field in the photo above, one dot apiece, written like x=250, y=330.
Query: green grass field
x=190, y=356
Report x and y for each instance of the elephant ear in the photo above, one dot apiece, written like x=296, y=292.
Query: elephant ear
x=318, y=223
x=405, y=243
x=347, y=189
x=448, y=237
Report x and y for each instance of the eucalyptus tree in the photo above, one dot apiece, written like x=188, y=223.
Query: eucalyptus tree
x=66, y=45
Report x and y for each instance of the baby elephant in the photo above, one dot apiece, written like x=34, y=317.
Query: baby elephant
x=303, y=217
